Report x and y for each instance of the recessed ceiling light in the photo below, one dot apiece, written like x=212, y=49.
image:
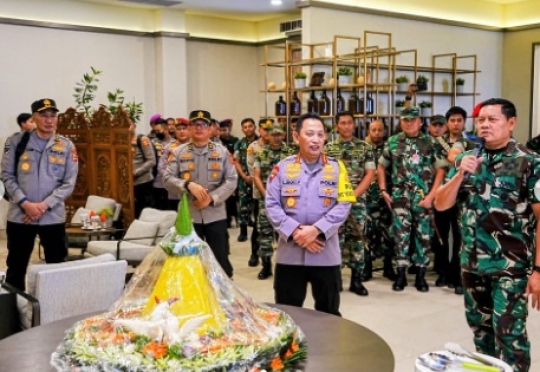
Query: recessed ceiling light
x=276, y=2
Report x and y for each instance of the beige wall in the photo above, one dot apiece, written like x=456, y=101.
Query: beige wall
x=517, y=76
x=41, y=62
x=224, y=80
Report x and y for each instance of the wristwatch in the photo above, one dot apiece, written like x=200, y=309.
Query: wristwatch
x=536, y=268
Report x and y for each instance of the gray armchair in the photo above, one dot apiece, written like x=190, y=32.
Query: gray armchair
x=62, y=290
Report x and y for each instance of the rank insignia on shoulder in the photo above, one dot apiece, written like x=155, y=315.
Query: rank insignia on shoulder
x=74, y=156
x=274, y=173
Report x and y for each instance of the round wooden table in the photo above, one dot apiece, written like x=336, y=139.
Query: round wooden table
x=334, y=344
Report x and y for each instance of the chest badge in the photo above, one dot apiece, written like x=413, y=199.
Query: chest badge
x=186, y=176
x=327, y=202
x=290, y=202
x=25, y=166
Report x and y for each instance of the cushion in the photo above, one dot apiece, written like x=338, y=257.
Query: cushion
x=129, y=251
x=166, y=219
x=140, y=229
x=31, y=274
x=96, y=203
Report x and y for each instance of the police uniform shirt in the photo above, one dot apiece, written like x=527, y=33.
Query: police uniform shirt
x=208, y=166
x=46, y=171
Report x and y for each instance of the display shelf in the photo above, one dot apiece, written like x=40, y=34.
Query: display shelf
x=373, y=58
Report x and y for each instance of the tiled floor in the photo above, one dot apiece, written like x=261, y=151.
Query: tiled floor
x=411, y=322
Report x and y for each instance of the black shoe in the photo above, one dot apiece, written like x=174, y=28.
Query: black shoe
x=388, y=270
x=356, y=283
x=441, y=281
x=401, y=280
x=420, y=282
x=253, y=260
x=266, y=270
x=458, y=290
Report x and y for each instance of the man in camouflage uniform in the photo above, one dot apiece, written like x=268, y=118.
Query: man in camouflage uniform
x=379, y=216
x=245, y=182
x=269, y=156
x=449, y=143
x=416, y=172
x=252, y=151
x=498, y=193
x=357, y=156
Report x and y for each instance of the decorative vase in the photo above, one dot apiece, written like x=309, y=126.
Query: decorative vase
x=459, y=89
x=421, y=86
x=300, y=83
x=425, y=112
x=360, y=80
x=344, y=79
x=402, y=87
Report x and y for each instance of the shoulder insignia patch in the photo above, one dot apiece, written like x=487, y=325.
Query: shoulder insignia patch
x=274, y=173
x=74, y=156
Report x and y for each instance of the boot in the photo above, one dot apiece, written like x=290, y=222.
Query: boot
x=367, y=273
x=253, y=260
x=420, y=282
x=243, y=233
x=441, y=281
x=266, y=270
x=401, y=280
x=388, y=270
x=356, y=283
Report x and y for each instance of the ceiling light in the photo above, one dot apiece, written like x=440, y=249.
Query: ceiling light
x=276, y=2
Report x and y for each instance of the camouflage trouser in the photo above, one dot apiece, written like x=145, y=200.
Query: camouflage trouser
x=351, y=237
x=266, y=232
x=378, y=221
x=407, y=216
x=245, y=194
x=496, y=311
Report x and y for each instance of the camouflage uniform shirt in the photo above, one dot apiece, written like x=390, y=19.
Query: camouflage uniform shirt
x=496, y=214
x=413, y=161
x=357, y=155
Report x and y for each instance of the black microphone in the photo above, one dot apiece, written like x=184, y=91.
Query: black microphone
x=478, y=146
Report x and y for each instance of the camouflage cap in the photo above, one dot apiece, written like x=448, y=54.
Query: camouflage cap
x=411, y=112
x=266, y=123
x=437, y=119
x=276, y=129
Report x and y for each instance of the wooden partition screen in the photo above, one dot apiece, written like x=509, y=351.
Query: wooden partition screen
x=105, y=158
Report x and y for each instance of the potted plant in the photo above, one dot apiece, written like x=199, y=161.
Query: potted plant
x=421, y=82
x=459, y=85
x=300, y=79
x=399, y=106
x=402, y=82
x=344, y=75
x=425, y=108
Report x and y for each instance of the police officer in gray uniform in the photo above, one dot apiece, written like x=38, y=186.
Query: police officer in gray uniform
x=38, y=183
x=144, y=161
x=202, y=168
